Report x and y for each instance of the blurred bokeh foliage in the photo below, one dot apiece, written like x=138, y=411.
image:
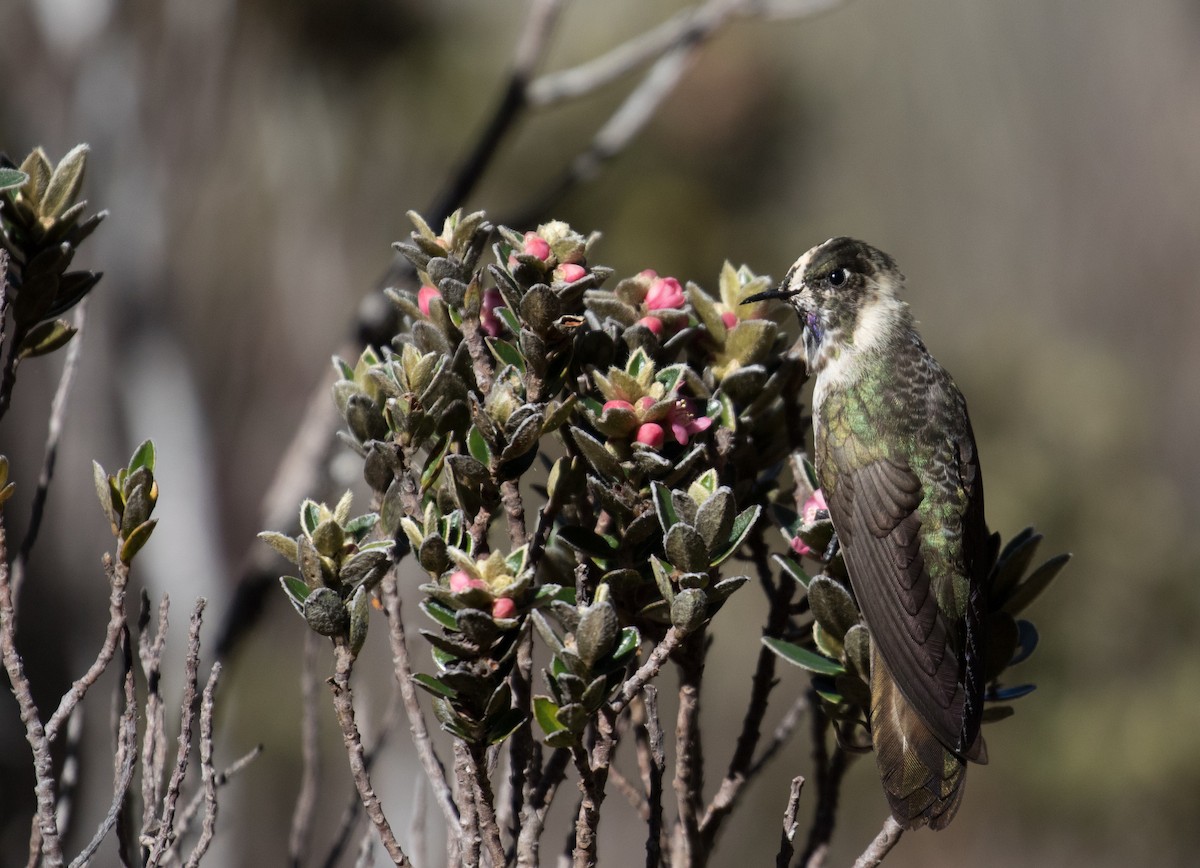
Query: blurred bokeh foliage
x=1032, y=166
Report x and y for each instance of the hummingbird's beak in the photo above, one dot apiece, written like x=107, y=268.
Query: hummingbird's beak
x=771, y=293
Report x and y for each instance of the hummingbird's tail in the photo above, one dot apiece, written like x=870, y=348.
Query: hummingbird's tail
x=923, y=780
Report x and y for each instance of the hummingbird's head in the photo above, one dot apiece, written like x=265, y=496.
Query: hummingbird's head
x=847, y=296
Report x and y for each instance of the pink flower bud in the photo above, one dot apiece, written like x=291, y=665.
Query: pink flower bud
x=503, y=607
x=729, y=318
x=645, y=403
x=569, y=273
x=664, y=292
x=617, y=405
x=460, y=581
x=535, y=245
x=425, y=295
x=653, y=323
x=651, y=434
x=488, y=321
x=815, y=502
x=799, y=547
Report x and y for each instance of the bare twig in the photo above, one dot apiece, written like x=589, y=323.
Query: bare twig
x=647, y=670
x=343, y=705
x=741, y=764
x=154, y=740
x=789, y=824
x=35, y=733
x=787, y=725
x=208, y=774
x=658, y=766
x=125, y=760
x=306, y=799
x=888, y=837
x=485, y=803
x=830, y=771
x=470, y=841
x=536, y=806
x=593, y=775
x=58, y=413
x=689, y=752
x=188, y=814
x=165, y=839
x=118, y=580
x=402, y=667
x=535, y=36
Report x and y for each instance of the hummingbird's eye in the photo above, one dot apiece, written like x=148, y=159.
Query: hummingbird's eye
x=837, y=277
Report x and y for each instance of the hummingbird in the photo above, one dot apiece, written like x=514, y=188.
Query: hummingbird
x=896, y=459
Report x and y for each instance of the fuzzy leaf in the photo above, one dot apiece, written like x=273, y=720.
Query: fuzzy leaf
x=45, y=338
x=135, y=539
x=832, y=606
x=742, y=525
x=803, y=658
x=296, y=591
x=601, y=460
x=285, y=545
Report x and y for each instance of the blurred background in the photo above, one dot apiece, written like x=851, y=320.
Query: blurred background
x=1033, y=168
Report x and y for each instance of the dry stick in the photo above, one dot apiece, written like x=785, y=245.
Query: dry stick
x=634, y=684
x=470, y=841
x=525, y=755
x=35, y=733
x=125, y=760
x=783, y=732
x=830, y=770
x=635, y=797
x=343, y=706
x=740, y=766
x=58, y=413
x=306, y=800
x=118, y=580
x=535, y=36
x=593, y=775
x=401, y=665
x=537, y=805
x=154, y=741
x=184, y=822
x=658, y=767
x=689, y=754
x=165, y=839
x=789, y=824
x=485, y=804
x=888, y=837
x=208, y=774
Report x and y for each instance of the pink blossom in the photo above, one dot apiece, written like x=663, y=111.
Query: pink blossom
x=460, y=581
x=653, y=323
x=617, y=405
x=570, y=272
x=651, y=434
x=535, y=245
x=488, y=320
x=684, y=424
x=808, y=515
x=503, y=607
x=664, y=292
x=729, y=318
x=425, y=295
x=645, y=403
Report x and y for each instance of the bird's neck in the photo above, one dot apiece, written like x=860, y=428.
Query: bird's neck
x=842, y=357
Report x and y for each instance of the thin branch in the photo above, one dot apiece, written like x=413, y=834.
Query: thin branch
x=35, y=733
x=783, y=732
x=647, y=670
x=58, y=413
x=165, y=839
x=658, y=766
x=533, y=820
x=830, y=771
x=402, y=667
x=485, y=802
x=469, y=841
x=888, y=837
x=593, y=775
x=689, y=752
x=306, y=798
x=154, y=740
x=118, y=580
x=343, y=705
x=219, y=780
x=208, y=774
x=535, y=36
x=125, y=761
x=763, y=682
x=789, y=824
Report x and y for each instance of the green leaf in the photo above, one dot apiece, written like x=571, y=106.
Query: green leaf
x=310, y=516
x=478, y=447
x=437, y=688
x=285, y=545
x=742, y=525
x=664, y=506
x=143, y=456
x=803, y=658
x=506, y=353
x=601, y=460
x=792, y=570
x=546, y=712
x=45, y=338
x=832, y=606
x=360, y=612
x=504, y=724
x=104, y=492
x=64, y=183
x=296, y=591
x=10, y=178
x=439, y=612
x=135, y=539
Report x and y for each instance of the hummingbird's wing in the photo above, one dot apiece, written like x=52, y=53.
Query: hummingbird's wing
x=876, y=510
